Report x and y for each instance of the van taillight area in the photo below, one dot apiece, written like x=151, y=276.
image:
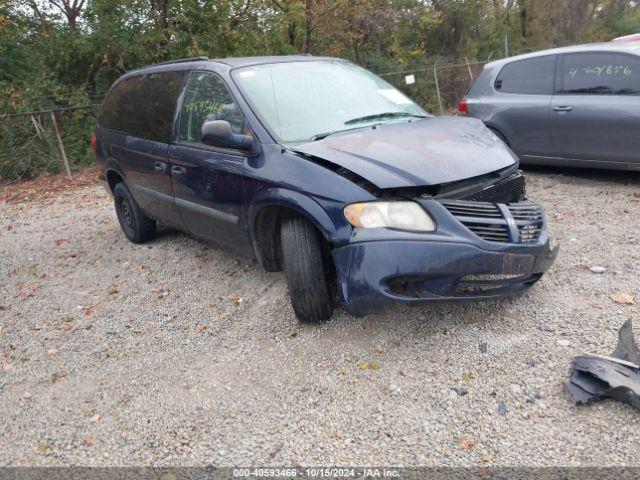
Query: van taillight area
x=462, y=107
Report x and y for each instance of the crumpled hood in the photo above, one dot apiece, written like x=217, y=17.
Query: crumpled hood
x=420, y=153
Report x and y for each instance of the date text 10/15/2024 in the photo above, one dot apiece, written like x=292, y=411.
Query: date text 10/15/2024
x=316, y=472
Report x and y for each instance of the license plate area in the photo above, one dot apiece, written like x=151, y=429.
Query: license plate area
x=516, y=264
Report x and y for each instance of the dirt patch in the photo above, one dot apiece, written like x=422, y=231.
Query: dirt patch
x=47, y=185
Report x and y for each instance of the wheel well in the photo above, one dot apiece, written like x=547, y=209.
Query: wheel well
x=499, y=134
x=267, y=235
x=113, y=178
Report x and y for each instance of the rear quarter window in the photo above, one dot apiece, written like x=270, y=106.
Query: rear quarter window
x=482, y=84
x=143, y=106
x=601, y=74
x=115, y=108
x=529, y=76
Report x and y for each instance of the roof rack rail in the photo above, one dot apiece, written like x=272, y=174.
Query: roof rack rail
x=182, y=60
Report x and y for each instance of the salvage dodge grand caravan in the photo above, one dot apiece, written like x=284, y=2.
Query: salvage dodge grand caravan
x=318, y=167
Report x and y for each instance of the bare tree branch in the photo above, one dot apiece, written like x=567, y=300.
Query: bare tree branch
x=41, y=17
x=71, y=10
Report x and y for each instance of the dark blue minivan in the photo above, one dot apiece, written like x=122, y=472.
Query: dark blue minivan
x=318, y=167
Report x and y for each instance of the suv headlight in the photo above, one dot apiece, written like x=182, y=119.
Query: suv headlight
x=401, y=215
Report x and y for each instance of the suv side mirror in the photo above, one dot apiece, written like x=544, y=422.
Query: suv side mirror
x=218, y=133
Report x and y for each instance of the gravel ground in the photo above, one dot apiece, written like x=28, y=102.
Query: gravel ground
x=179, y=353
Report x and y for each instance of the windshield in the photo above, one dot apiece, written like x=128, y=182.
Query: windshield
x=304, y=101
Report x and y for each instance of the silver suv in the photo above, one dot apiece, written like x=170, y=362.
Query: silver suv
x=571, y=106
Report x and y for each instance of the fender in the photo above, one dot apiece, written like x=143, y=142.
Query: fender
x=112, y=165
x=498, y=132
x=296, y=201
x=265, y=249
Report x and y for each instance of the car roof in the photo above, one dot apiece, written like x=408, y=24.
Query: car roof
x=236, y=62
x=634, y=37
x=230, y=63
x=618, y=47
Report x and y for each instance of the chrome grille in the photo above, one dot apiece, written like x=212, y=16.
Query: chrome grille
x=526, y=211
x=472, y=209
x=491, y=221
x=529, y=233
x=529, y=218
x=490, y=232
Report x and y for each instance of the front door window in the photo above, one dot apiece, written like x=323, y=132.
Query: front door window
x=207, y=98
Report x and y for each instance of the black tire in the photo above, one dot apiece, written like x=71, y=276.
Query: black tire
x=305, y=270
x=136, y=226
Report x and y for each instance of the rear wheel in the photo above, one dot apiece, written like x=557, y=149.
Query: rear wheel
x=136, y=226
x=305, y=270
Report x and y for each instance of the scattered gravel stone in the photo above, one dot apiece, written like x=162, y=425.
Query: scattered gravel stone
x=136, y=364
x=596, y=269
x=482, y=347
x=563, y=342
x=460, y=391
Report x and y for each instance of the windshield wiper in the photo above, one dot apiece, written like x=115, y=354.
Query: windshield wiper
x=320, y=136
x=378, y=116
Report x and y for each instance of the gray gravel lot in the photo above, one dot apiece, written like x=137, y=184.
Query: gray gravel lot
x=179, y=353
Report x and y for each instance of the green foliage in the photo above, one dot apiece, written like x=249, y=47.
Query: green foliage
x=23, y=155
x=51, y=59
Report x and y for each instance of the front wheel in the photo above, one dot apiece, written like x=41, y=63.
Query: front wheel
x=136, y=226
x=305, y=271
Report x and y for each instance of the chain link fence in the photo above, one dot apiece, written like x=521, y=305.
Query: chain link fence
x=51, y=140
x=437, y=88
x=57, y=139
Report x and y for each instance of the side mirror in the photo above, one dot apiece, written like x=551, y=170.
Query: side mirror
x=218, y=133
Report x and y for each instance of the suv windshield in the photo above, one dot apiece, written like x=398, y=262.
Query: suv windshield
x=303, y=101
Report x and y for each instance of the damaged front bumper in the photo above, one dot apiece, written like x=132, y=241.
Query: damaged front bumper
x=479, y=251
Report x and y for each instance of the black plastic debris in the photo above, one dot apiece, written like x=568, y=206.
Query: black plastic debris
x=627, y=349
x=596, y=377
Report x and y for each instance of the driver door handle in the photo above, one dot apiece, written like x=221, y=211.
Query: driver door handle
x=562, y=108
x=160, y=167
x=178, y=171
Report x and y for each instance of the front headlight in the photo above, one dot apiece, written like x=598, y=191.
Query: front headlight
x=400, y=215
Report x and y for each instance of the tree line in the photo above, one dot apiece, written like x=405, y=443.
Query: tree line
x=57, y=53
